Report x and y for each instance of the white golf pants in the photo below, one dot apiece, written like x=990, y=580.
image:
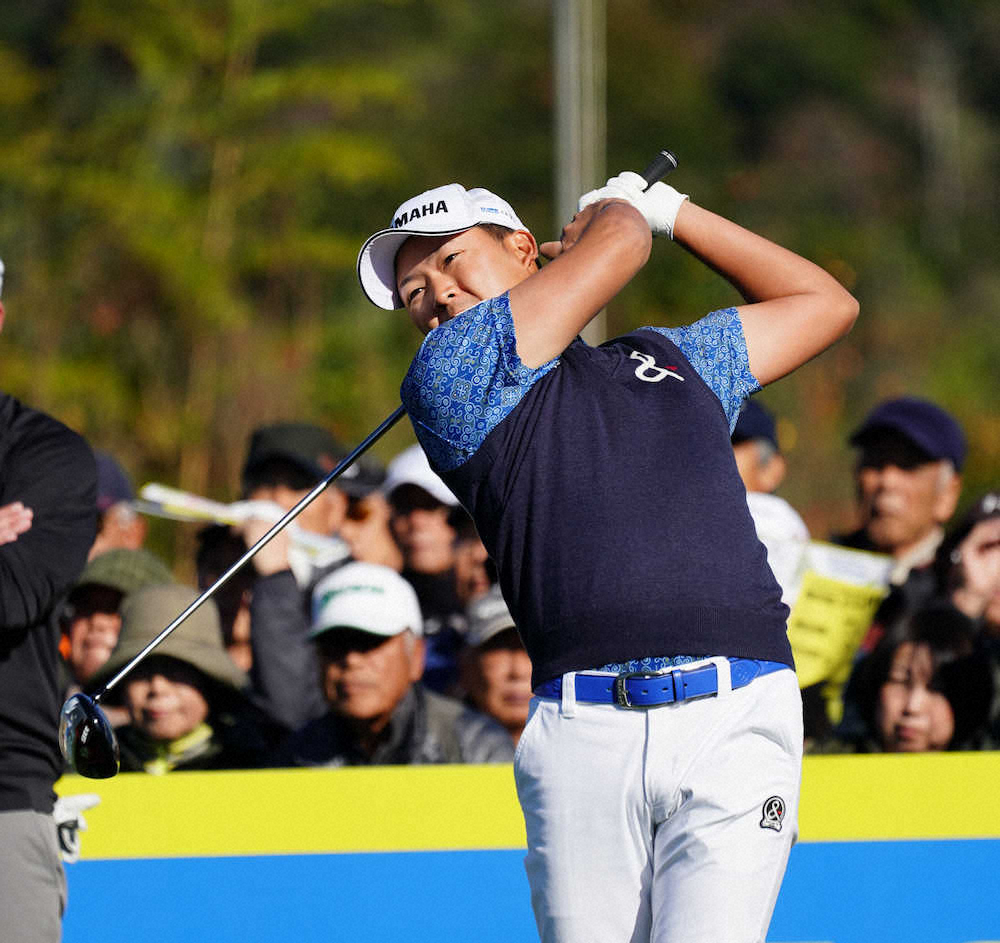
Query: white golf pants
x=668, y=825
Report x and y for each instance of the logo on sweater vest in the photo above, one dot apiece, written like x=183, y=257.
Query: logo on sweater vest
x=649, y=371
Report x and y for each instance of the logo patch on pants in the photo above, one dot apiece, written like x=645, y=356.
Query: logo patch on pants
x=772, y=813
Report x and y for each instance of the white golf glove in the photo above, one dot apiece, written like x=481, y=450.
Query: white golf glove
x=68, y=815
x=659, y=204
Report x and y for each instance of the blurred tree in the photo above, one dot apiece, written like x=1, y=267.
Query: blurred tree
x=184, y=185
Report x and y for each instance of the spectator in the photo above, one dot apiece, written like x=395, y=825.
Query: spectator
x=219, y=547
x=186, y=702
x=475, y=572
x=967, y=566
x=495, y=668
x=426, y=518
x=366, y=527
x=968, y=577
x=928, y=690
x=119, y=525
x=911, y=454
x=48, y=486
x=91, y=619
x=368, y=632
x=908, y=481
x=762, y=467
x=284, y=463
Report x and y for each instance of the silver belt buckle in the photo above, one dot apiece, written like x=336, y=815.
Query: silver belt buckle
x=621, y=692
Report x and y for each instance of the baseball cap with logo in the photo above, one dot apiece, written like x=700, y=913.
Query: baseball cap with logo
x=926, y=425
x=365, y=596
x=442, y=211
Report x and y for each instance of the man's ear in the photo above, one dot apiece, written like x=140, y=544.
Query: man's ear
x=947, y=498
x=525, y=248
x=418, y=659
x=773, y=473
x=1, y=315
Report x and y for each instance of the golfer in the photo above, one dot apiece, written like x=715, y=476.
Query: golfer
x=659, y=769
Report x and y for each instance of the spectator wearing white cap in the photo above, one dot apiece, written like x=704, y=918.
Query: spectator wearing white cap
x=368, y=633
x=495, y=668
x=425, y=522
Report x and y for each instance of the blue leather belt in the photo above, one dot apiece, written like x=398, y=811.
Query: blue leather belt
x=638, y=690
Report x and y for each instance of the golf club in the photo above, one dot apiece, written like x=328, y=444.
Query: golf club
x=86, y=738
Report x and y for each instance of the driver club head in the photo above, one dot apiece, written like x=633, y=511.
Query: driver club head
x=87, y=739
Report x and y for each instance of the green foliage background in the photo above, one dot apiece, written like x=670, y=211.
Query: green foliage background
x=184, y=185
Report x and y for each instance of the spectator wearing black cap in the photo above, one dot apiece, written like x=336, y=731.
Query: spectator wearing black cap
x=284, y=462
x=908, y=480
x=119, y=524
x=911, y=453
x=762, y=467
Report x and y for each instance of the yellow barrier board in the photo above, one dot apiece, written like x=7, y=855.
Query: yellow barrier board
x=440, y=808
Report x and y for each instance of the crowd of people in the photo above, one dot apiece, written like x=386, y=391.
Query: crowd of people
x=926, y=673
x=390, y=642
x=373, y=631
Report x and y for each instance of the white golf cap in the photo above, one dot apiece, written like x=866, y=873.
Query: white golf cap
x=411, y=467
x=365, y=596
x=439, y=212
x=488, y=616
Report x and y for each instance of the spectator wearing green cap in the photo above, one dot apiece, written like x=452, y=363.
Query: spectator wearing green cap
x=91, y=620
x=186, y=703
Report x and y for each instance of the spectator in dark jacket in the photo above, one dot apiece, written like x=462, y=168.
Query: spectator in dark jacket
x=48, y=518
x=367, y=630
x=284, y=463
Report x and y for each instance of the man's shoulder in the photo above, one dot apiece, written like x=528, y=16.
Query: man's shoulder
x=478, y=737
x=22, y=425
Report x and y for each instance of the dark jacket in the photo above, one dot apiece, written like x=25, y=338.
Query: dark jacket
x=51, y=470
x=285, y=674
x=425, y=728
x=240, y=738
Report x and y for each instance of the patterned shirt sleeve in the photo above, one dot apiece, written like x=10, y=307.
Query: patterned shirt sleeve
x=465, y=380
x=716, y=348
